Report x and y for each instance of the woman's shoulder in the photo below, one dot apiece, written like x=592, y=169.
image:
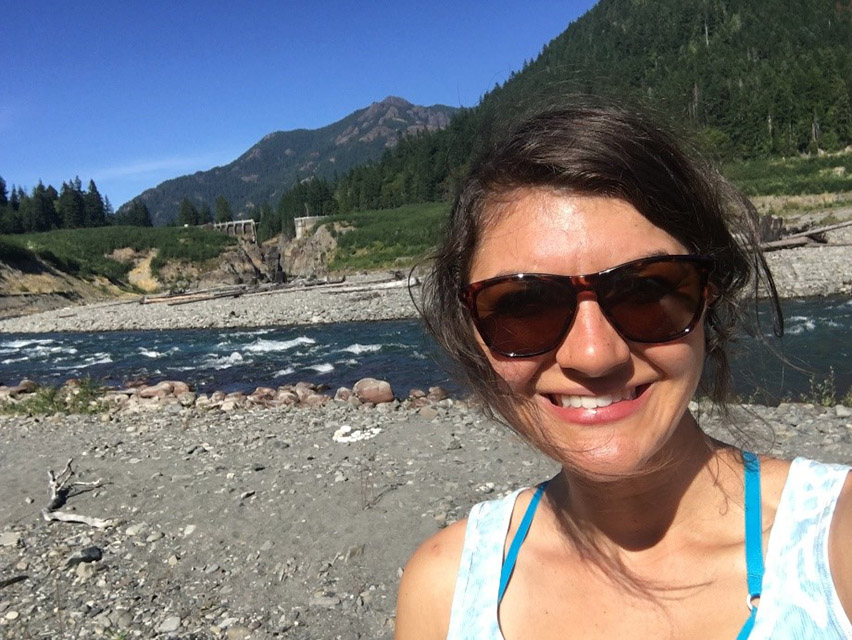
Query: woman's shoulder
x=428, y=582
x=819, y=500
x=839, y=548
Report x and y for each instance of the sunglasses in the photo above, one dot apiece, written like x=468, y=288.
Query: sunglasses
x=651, y=300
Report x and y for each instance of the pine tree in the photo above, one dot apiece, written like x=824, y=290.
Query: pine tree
x=37, y=211
x=205, y=215
x=188, y=214
x=257, y=213
x=109, y=212
x=71, y=207
x=136, y=215
x=223, y=210
x=15, y=198
x=9, y=220
x=94, y=209
x=52, y=197
x=270, y=223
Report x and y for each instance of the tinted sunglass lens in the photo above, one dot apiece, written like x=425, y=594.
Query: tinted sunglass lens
x=654, y=302
x=523, y=317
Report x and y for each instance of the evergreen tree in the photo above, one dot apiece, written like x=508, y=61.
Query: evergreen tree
x=52, y=197
x=136, y=215
x=188, y=214
x=223, y=210
x=94, y=208
x=205, y=216
x=257, y=213
x=71, y=207
x=109, y=212
x=15, y=199
x=37, y=211
x=270, y=223
x=10, y=222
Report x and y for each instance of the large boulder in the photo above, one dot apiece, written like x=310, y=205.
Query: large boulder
x=308, y=257
x=372, y=390
x=242, y=264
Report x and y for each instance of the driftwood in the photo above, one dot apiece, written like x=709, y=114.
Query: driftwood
x=67, y=516
x=786, y=243
x=60, y=486
x=171, y=297
x=215, y=296
x=818, y=230
x=812, y=237
x=394, y=284
x=291, y=287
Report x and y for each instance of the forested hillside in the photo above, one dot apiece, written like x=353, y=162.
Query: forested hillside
x=754, y=78
x=281, y=159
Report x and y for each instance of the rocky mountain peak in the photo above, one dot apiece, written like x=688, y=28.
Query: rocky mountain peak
x=395, y=101
x=390, y=118
x=270, y=166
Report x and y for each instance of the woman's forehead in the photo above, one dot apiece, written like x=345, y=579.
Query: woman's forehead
x=553, y=231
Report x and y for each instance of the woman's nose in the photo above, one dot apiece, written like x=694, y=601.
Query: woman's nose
x=592, y=347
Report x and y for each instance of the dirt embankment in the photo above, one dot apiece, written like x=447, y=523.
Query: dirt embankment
x=32, y=285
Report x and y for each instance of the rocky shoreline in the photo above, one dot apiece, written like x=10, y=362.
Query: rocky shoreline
x=263, y=523
x=800, y=272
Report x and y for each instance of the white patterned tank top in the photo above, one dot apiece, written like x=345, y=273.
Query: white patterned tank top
x=798, y=600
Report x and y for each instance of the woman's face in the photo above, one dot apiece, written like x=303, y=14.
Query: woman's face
x=635, y=395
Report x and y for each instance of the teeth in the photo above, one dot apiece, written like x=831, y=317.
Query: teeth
x=596, y=402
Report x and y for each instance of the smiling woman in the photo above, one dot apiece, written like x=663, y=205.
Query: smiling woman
x=590, y=269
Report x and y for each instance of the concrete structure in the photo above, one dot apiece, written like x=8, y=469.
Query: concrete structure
x=304, y=224
x=245, y=229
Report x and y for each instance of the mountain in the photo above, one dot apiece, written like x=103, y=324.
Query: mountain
x=751, y=79
x=273, y=165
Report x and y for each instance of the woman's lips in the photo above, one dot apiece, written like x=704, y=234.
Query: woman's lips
x=590, y=409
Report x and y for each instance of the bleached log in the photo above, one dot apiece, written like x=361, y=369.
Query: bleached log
x=786, y=243
x=67, y=516
x=817, y=230
x=395, y=284
x=60, y=486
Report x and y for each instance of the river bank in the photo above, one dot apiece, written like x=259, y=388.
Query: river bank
x=799, y=272
x=267, y=523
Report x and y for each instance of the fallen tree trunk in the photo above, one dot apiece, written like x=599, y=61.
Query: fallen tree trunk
x=812, y=237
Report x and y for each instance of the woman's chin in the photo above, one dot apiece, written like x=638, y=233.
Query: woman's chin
x=605, y=463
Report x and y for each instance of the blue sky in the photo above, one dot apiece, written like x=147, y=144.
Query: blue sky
x=133, y=93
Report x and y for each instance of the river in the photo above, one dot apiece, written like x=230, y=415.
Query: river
x=817, y=348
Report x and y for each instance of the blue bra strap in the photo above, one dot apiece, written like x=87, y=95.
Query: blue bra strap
x=753, y=537
x=520, y=535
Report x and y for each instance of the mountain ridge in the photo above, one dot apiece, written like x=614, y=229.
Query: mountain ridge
x=273, y=164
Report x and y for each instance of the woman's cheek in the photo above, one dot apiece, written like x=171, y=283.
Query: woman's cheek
x=517, y=373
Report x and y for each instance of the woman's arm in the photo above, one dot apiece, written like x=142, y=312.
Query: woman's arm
x=840, y=547
x=426, y=590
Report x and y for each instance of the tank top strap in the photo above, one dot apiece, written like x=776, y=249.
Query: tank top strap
x=753, y=538
x=518, y=540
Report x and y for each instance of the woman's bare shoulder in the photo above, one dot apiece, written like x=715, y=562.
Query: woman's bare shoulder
x=426, y=589
x=840, y=549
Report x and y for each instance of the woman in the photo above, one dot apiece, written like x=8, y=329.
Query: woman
x=588, y=273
